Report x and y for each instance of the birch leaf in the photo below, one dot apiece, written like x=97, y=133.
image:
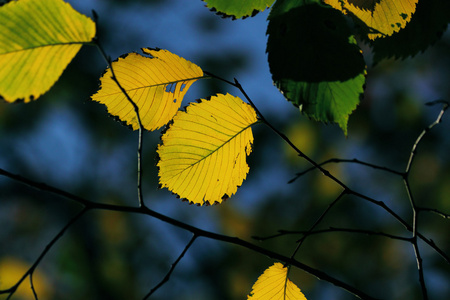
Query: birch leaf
x=156, y=83
x=38, y=39
x=274, y=284
x=381, y=17
x=202, y=157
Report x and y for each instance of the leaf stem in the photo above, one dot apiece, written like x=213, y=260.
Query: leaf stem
x=138, y=117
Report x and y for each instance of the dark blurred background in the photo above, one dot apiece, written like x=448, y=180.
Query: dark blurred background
x=68, y=141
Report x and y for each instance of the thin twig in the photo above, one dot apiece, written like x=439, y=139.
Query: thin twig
x=335, y=229
x=285, y=138
x=429, y=127
x=433, y=210
x=138, y=117
x=47, y=248
x=329, y=175
x=415, y=210
x=322, y=216
x=403, y=222
x=339, y=160
x=32, y=287
x=348, y=190
x=143, y=210
x=172, y=268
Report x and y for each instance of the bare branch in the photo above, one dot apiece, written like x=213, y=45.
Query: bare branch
x=47, y=248
x=300, y=242
x=172, y=268
x=90, y=205
x=335, y=229
x=422, y=134
x=415, y=211
x=433, y=210
x=32, y=287
x=138, y=117
x=354, y=160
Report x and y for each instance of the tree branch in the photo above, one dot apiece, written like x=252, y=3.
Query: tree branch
x=47, y=248
x=300, y=242
x=414, y=208
x=138, y=117
x=354, y=160
x=143, y=210
x=172, y=268
x=334, y=229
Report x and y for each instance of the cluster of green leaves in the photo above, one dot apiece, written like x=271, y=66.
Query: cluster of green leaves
x=313, y=49
x=314, y=59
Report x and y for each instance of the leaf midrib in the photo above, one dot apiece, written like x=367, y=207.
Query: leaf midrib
x=43, y=46
x=155, y=85
x=216, y=150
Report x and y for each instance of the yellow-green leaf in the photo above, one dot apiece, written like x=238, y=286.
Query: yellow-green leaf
x=274, y=284
x=38, y=39
x=382, y=17
x=156, y=84
x=203, y=155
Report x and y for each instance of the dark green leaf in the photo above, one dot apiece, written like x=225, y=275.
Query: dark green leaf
x=237, y=8
x=314, y=60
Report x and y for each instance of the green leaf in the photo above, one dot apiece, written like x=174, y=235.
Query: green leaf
x=38, y=39
x=237, y=8
x=203, y=155
x=314, y=60
x=156, y=84
x=426, y=27
x=274, y=284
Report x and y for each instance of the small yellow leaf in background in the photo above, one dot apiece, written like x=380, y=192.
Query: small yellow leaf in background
x=38, y=39
x=273, y=284
x=156, y=84
x=383, y=16
x=12, y=269
x=203, y=155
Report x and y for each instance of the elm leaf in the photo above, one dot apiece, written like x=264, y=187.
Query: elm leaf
x=202, y=157
x=274, y=284
x=156, y=84
x=38, y=39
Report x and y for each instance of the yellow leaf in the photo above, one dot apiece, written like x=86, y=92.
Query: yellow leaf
x=38, y=39
x=156, y=84
x=383, y=17
x=274, y=284
x=12, y=269
x=203, y=155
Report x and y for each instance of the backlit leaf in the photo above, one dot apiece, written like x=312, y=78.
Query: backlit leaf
x=38, y=39
x=382, y=17
x=273, y=284
x=156, y=84
x=238, y=8
x=425, y=28
x=314, y=60
x=203, y=154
